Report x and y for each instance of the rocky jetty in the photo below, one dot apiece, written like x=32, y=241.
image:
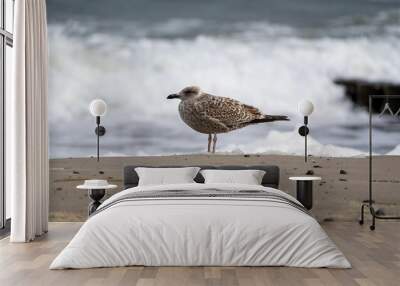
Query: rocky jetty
x=358, y=90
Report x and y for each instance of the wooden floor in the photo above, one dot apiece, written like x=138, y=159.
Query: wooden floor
x=375, y=257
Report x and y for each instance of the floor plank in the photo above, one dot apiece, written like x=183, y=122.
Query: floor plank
x=375, y=257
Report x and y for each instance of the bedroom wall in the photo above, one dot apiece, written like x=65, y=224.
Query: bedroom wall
x=336, y=197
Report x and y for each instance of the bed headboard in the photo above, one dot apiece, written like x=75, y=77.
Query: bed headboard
x=271, y=177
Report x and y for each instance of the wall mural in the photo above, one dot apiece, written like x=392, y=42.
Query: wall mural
x=266, y=54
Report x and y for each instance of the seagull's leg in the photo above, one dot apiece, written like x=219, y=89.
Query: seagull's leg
x=209, y=143
x=215, y=142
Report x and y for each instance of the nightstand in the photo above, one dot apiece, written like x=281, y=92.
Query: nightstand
x=304, y=189
x=96, y=191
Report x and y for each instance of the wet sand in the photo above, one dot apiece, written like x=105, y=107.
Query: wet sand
x=337, y=197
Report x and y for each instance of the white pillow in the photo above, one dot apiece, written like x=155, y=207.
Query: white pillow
x=165, y=176
x=247, y=177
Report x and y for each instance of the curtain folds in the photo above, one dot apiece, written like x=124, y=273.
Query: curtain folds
x=27, y=151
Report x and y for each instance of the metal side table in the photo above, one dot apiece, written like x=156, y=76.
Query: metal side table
x=96, y=191
x=304, y=189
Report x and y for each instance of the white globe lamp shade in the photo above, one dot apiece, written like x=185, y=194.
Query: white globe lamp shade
x=98, y=107
x=306, y=107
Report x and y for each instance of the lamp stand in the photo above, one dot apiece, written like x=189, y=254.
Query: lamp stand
x=305, y=138
x=100, y=131
x=303, y=131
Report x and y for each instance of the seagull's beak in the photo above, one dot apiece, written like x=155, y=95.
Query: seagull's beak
x=174, y=95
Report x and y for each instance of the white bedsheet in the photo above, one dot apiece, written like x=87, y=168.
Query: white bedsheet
x=223, y=232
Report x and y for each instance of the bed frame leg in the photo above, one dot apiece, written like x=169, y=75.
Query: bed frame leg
x=361, y=221
x=372, y=210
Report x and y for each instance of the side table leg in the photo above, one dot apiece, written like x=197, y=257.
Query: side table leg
x=96, y=195
x=304, y=193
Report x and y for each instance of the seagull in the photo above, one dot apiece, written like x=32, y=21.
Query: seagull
x=212, y=115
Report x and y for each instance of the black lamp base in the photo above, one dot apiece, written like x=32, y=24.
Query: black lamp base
x=100, y=130
x=303, y=130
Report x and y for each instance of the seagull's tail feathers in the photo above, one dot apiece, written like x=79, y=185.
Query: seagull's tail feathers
x=270, y=118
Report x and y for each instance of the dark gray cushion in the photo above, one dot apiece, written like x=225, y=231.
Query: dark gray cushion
x=270, y=179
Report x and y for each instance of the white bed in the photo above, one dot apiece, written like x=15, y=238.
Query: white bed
x=189, y=231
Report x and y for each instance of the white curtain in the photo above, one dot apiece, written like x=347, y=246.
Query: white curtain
x=26, y=124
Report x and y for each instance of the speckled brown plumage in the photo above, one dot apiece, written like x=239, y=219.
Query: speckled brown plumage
x=210, y=114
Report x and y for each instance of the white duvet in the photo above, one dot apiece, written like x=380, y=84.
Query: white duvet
x=199, y=231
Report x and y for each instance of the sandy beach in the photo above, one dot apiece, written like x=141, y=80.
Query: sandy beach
x=337, y=197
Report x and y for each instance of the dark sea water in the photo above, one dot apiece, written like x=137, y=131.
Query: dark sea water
x=270, y=54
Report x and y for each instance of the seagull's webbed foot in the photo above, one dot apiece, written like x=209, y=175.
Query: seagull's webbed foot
x=215, y=142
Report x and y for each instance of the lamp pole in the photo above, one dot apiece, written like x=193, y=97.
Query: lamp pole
x=100, y=131
x=98, y=108
x=305, y=108
x=305, y=137
x=98, y=137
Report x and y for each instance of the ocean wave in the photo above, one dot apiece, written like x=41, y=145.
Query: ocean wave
x=383, y=23
x=290, y=143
